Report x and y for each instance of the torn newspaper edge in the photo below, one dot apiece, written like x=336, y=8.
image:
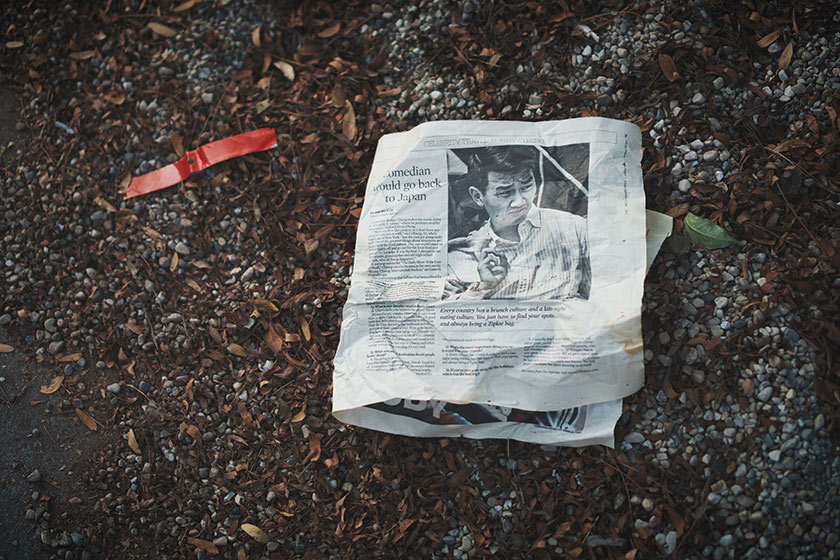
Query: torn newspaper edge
x=202, y=158
x=498, y=277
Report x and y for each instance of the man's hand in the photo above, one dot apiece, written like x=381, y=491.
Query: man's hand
x=492, y=269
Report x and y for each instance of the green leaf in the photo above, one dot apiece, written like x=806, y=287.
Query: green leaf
x=790, y=184
x=706, y=233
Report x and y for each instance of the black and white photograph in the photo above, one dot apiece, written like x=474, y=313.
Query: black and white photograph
x=518, y=222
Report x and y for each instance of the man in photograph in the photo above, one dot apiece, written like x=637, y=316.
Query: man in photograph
x=521, y=251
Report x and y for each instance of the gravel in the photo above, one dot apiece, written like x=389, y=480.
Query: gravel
x=732, y=365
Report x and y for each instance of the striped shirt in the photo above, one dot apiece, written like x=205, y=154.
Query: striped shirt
x=551, y=260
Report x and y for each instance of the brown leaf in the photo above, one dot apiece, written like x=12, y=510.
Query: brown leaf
x=132, y=442
x=102, y=203
x=173, y=264
x=160, y=29
x=769, y=39
x=266, y=304
x=339, y=96
x=348, y=122
x=86, y=419
x=185, y=6
x=53, y=385
x=314, y=448
x=329, y=31
x=286, y=68
x=237, y=350
x=304, y=329
x=70, y=357
x=177, y=145
x=273, y=340
x=5, y=348
x=255, y=36
x=265, y=387
x=206, y=546
x=299, y=416
x=82, y=55
x=669, y=67
x=255, y=533
x=14, y=44
x=786, y=56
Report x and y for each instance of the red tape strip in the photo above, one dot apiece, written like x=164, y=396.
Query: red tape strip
x=202, y=158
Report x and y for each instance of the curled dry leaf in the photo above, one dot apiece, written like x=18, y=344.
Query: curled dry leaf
x=14, y=44
x=104, y=204
x=299, y=416
x=204, y=545
x=86, y=419
x=786, y=56
x=4, y=348
x=53, y=385
x=255, y=533
x=266, y=305
x=329, y=31
x=237, y=350
x=132, y=442
x=286, y=68
x=669, y=67
x=265, y=387
x=160, y=29
x=255, y=36
x=173, y=264
x=273, y=340
x=769, y=39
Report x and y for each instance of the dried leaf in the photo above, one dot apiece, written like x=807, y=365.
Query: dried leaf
x=273, y=340
x=706, y=233
x=299, y=416
x=669, y=67
x=266, y=304
x=201, y=264
x=769, y=39
x=286, y=68
x=70, y=357
x=786, y=56
x=339, y=96
x=185, y=6
x=82, y=55
x=255, y=533
x=86, y=419
x=304, y=329
x=53, y=385
x=14, y=44
x=265, y=387
x=177, y=145
x=206, y=546
x=132, y=442
x=160, y=29
x=329, y=31
x=348, y=122
x=4, y=348
x=102, y=203
x=237, y=350
x=255, y=36
x=173, y=264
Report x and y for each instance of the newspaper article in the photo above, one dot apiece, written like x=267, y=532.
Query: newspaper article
x=497, y=283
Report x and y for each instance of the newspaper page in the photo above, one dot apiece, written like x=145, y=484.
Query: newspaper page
x=499, y=270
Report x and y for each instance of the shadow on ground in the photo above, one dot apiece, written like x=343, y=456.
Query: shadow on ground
x=35, y=433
